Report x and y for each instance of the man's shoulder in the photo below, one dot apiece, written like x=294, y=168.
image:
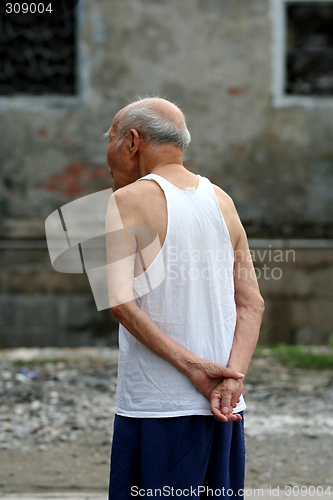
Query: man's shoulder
x=230, y=214
x=135, y=192
x=226, y=204
x=135, y=199
x=223, y=197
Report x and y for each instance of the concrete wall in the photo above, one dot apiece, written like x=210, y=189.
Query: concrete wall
x=41, y=307
x=297, y=284
x=213, y=57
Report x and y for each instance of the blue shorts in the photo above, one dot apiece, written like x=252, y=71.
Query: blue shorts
x=178, y=457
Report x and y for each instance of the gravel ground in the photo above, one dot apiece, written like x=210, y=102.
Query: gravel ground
x=57, y=408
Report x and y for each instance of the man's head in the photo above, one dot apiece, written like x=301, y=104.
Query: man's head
x=145, y=133
x=157, y=121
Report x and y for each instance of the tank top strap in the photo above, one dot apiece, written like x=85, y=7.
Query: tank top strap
x=176, y=199
x=163, y=183
x=168, y=186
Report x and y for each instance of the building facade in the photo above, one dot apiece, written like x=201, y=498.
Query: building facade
x=260, y=112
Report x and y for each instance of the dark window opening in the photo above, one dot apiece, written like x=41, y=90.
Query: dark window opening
x=39, y=60
x=309, y=58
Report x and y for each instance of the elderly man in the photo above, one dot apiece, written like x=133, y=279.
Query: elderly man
x=184, y=345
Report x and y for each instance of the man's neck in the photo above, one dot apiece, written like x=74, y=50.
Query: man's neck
x=165, y=158
x=170, y=167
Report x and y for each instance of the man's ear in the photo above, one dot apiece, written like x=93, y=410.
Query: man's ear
x=134, y=140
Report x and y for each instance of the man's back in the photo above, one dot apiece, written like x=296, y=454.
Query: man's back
x=194, y=304
x=144, y=203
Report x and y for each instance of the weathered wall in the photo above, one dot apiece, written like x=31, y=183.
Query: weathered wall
x=40, y=307
x=214, y=58
x=297, y=284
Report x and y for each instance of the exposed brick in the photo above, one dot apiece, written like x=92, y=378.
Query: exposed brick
x=240, y=147
x=237, y=90
x=42, y=133
x=75, y=179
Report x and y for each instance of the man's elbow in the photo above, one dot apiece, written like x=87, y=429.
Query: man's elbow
x=259, y=306
x=116, y=311
x=255, y=306
x=122, y=311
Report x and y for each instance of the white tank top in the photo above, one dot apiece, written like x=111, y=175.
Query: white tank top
x=194, y=304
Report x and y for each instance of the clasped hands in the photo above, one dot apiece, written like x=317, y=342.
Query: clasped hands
x=221, y=385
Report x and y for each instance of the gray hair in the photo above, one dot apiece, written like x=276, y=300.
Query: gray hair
x=152, y=126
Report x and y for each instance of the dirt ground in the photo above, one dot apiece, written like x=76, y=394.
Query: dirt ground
x=288, y=429
x=67, y=466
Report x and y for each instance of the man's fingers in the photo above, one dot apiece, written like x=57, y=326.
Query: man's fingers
x=221, y=403
x=226, y=403
x=224, y=399
x=237, y=395
x=228, y=373
x=235, y=417
x=215, y=406
x=217, y=411
x=232, y=417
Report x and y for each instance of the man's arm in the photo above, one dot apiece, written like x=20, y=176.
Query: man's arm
x=250, y=309
x=121, y=247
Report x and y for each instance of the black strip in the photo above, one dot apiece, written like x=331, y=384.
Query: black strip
x=64, y=226
x=145, y=269
x=81, y=255
x=62, y=220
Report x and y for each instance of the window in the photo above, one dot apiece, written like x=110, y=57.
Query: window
x=302, y=52
x=38, y=61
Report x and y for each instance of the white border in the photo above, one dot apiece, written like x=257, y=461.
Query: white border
x=280, y=99
x=36, y=103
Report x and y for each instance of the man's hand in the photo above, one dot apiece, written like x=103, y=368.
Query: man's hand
x=207, y=375
x=224, y=398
